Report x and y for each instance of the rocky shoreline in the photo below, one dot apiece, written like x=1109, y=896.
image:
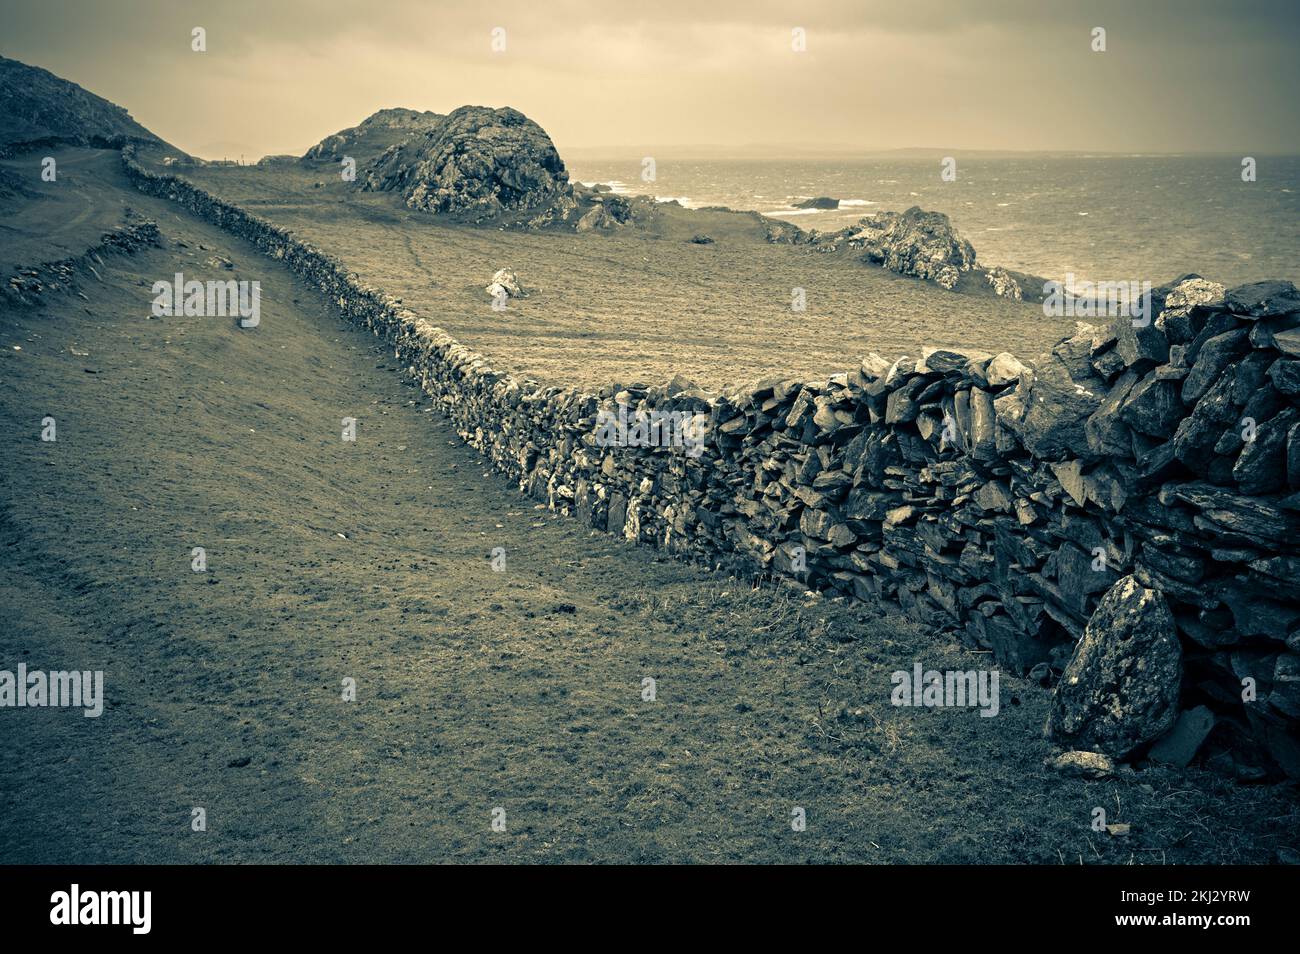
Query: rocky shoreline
x=1104, y=488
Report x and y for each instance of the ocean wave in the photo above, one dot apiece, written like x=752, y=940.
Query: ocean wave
x=844, y=202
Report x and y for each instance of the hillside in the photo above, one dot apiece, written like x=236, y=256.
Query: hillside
x=37, y=107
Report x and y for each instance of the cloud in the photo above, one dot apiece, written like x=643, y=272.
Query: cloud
x=994, y=74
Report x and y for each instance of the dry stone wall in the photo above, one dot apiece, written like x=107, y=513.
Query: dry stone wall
x=997, y=500
x=29, y=283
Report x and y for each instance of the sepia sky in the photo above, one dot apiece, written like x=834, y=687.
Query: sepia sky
x=278, y=75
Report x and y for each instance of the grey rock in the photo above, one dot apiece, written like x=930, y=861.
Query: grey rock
x=1077, y=764
x=1287, y=341
x=1153, y=407
x=1285, y=375
x=1120, y=689
x=821, y=202
x=1262, y=299
x=506, y=283
x=1139, y=342
x=1106, y=432
x=1285, y=696
x=1215, y=355
x=1262, y=466
x=1056, y=412
x=1198, y=433
x=1003, y=369
x=1179, y=745
x=1003, y=283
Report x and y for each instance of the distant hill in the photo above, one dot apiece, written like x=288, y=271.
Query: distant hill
x=373, y=135
x=38, y=108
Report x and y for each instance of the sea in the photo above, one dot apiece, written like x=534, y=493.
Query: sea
x=1099, y=218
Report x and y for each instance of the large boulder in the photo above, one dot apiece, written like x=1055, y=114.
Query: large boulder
x=478, y=162
x=1120, y=689
x=915, y=242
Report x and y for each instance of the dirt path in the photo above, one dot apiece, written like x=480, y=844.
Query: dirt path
x=476, y=689
x=73, y=211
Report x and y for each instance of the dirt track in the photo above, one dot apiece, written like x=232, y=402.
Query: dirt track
x=475, y=689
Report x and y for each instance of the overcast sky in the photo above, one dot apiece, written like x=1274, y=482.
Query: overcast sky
x=278, y=75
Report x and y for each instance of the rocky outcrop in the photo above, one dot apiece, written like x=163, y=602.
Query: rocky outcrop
x=606, y=212
x=823, y=202
x=915, y=242
x=372, y=135
x=991, y=499
x=918, y=243
x=1003, y=283
x=477, y=163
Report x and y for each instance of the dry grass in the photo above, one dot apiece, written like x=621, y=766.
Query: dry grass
x=476, y=689
x=635, y=306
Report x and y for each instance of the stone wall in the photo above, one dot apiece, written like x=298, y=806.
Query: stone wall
x=29, y=283
x=980, y=496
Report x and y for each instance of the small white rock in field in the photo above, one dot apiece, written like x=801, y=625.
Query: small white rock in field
x=506, y=282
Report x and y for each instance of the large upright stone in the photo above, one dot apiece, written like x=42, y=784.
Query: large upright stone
x=1057, y=409
x=1120, y=689
x=1262, y=466
x=1215, y=355
x=1153, y=407
x=1140, y=341
x=1198, y=432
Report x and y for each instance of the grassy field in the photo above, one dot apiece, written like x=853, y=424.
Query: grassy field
x=476, y=689
x=637, y=305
